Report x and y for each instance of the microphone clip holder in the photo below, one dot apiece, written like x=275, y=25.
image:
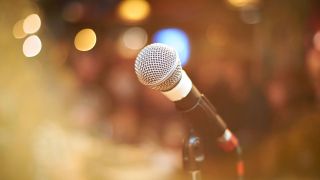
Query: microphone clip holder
x=193, y=155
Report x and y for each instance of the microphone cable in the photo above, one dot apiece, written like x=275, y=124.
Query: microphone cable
x=240, y=167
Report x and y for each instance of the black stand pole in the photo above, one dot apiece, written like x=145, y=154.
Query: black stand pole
x=193, y=156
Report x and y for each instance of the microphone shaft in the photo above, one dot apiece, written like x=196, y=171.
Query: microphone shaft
x=198, y=109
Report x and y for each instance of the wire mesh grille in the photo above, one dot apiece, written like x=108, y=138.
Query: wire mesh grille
x=158, y=66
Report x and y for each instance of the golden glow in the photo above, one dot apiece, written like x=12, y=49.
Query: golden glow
x=242, y=3
x=85, y=40
x=17, y=30
x=32, y=46
x=32, y=24
x=135, y=38
x=134, y=10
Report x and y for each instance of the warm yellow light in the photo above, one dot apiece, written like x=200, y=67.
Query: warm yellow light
x=32, y=24
x=134, y=10
x=85, y=40
x=135, y=38
x=17, y=30
x=242, y=3
x=32, y=46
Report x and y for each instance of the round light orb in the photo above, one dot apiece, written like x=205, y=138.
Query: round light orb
x=32, y=46
x=135, y=38
x=85, y=40
x=242, y=3
x=177, y=39
x=133, y=10
x=31, y=24
x=18, y=31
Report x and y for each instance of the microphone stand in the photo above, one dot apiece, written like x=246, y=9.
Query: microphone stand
x=193, y=156
x=196, y=107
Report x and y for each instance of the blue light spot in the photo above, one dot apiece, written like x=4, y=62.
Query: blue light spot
x=177, y=39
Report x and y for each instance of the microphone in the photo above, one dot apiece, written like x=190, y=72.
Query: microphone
x=158, y=67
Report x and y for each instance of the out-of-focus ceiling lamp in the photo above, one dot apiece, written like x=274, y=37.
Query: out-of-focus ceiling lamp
x=133, y=10
x=177, y=39
x=18, y=31
x=32, y=46
x=31, y=24
x=135, y=38
x=85, y=40
x=242, y=3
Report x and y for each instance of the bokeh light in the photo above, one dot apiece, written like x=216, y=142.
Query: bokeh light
x=32, y=24
x=133, y=10
x=135, y=38
x=177, y=39
x=316, y=41
x=32, y=46
x=17, y=30
x=242, y=3
x=85, y=40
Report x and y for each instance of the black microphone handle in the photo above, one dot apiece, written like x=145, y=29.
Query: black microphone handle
x=202, y=115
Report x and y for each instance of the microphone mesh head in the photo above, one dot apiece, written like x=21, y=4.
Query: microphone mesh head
x=158, y=67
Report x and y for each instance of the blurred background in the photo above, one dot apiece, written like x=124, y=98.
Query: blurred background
x=72, y=108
